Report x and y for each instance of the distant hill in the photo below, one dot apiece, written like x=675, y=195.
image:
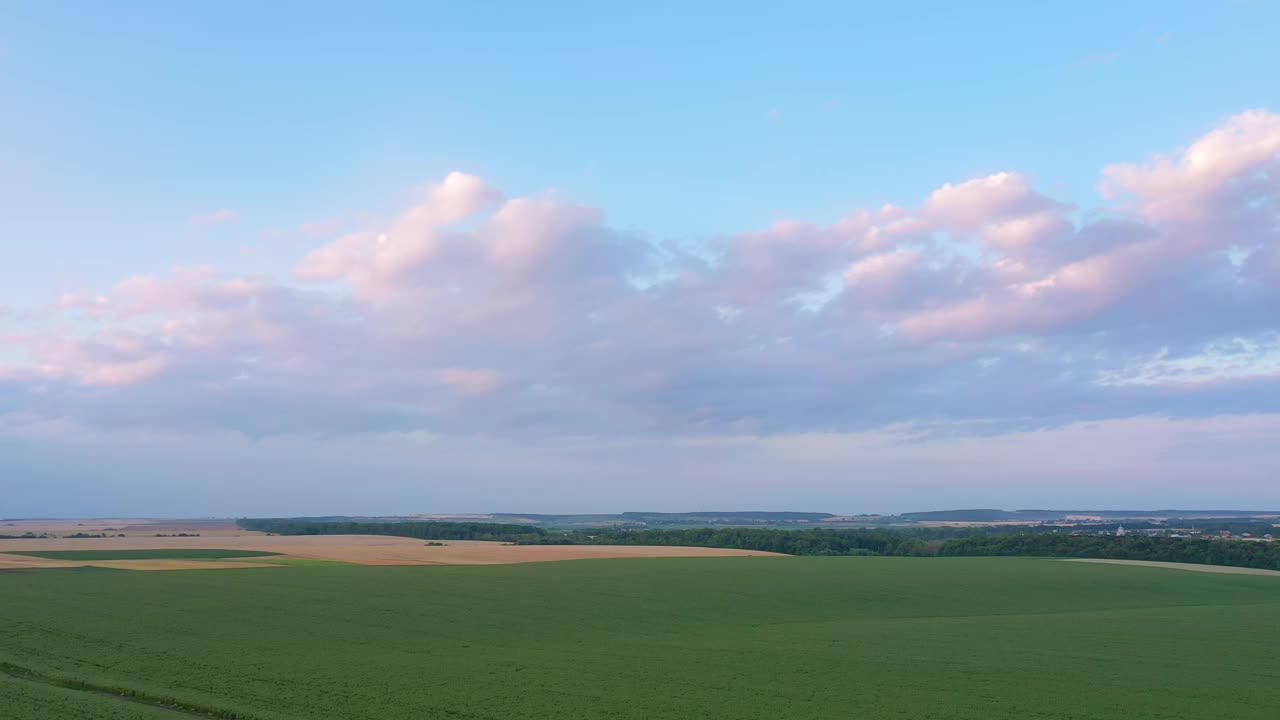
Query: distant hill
x=735, y=515
x=1033, y=516
x=801, y=520
x=979, y=515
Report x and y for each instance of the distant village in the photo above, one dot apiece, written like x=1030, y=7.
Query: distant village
x=1178, y=533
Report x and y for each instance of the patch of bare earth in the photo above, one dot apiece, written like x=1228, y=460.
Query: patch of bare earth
x=22, y=562
x=367, y=549
x=1226, y=569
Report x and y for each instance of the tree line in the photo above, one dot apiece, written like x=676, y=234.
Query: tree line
x=1237, y=553
x=790, y=542
x=501, y=532
x=876, y=541
x=943, y=542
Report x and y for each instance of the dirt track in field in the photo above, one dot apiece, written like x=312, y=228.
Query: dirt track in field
x=360, y=549
x=1183, y=566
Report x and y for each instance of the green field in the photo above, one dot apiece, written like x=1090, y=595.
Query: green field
x=855, y=637
x=22, y=699
x=156, y=554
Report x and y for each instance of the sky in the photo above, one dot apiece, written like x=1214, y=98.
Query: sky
x=311, y=258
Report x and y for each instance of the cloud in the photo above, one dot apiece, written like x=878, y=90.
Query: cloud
x=988, y=304
x=474, y=381
x=1021, y=233
x=1234, y=164
x=981, y=201
x=217, y=217
x=389, y=257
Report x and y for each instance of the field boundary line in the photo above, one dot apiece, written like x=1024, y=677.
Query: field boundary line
x=122, y=694
x=1174, y=565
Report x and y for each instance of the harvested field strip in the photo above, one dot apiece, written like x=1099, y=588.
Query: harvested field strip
x=1194, y=567
x=168, y=706
x=370, y=549
x=148, y=554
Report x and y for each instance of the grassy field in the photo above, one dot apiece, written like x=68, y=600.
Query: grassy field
x=971, y=638
x=151, y=554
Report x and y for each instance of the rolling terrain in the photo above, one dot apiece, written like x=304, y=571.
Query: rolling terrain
x=174, y=552
x=875, y=637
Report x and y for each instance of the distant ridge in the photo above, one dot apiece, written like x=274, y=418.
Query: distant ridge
x=806, y=520
x=994, y=515
x=732, y=515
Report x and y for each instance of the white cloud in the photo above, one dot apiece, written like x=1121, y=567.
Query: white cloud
x=471, y=311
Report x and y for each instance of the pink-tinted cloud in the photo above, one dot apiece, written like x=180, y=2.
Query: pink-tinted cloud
x=1235, y=162
x=1020, y=234
x=376, y=260
x=471, y=311
x=973, y=204
x=472, y=381
x=888, y=279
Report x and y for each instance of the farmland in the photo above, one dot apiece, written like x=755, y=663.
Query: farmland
x=871, y=637
x=23, y=700
x=360, y=549
x=143, y=554
x=122, y=527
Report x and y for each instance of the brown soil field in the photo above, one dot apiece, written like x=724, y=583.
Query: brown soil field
x=22, y=562
x=1183, y=566
x=361, y=549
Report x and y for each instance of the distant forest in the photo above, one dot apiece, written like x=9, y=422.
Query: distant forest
x=881, y=541
x=501, y=532
x=1237, y=553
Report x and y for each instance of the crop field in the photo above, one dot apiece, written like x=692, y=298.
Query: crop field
x=361, y=549
x=147, y=554
x=755, y=638
x=22, y=699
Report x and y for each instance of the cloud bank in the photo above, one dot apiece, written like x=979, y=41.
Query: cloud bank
x=986, y=306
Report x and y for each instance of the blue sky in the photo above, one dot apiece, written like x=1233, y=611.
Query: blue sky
x=140, y=115
x=139, y=139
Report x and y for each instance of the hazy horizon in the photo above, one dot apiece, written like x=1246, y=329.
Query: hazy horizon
x=1206, y=512
x=304, y=260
